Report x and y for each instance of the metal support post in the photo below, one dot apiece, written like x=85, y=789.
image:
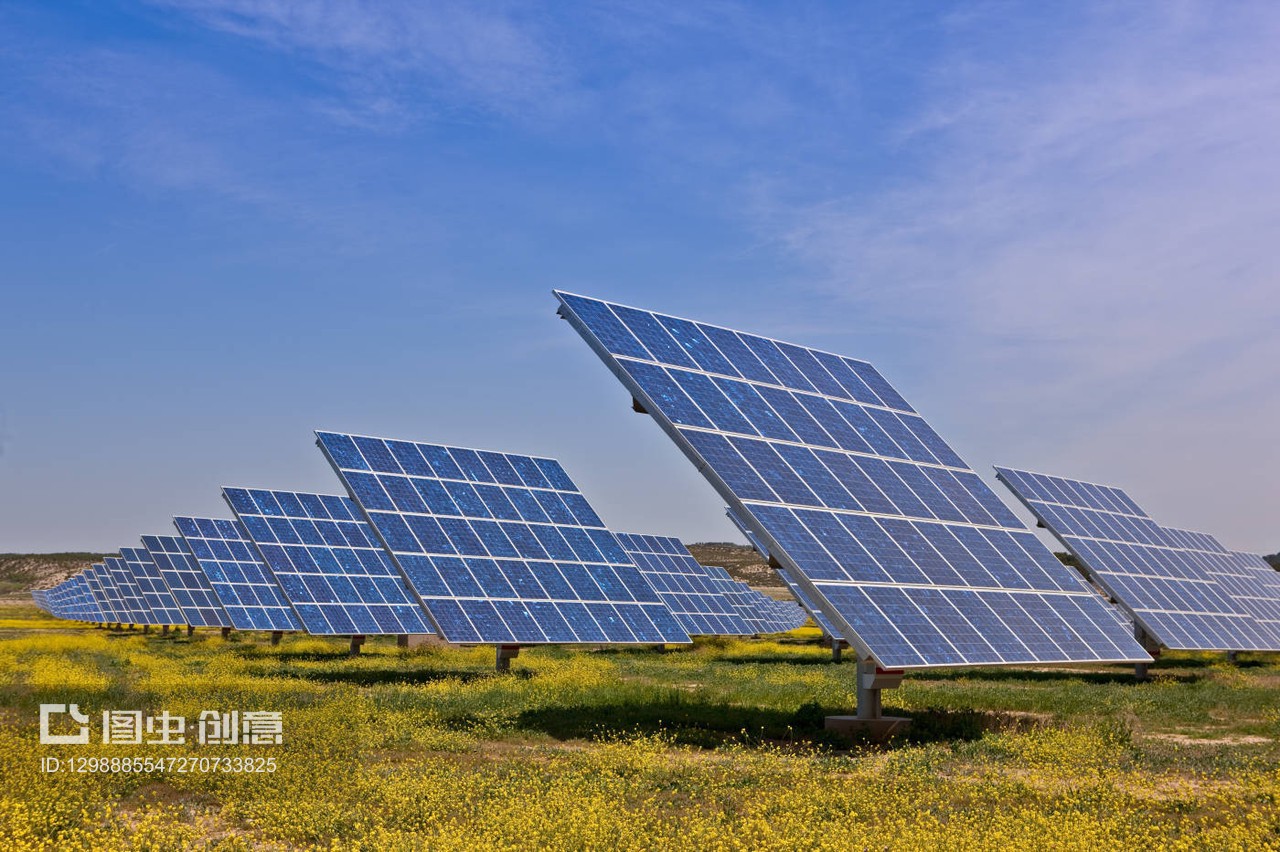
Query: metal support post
x=276, y=636
x=402, y=641
x=356, y=642
x=504, y=656
x=226, y=633
x=191, y=630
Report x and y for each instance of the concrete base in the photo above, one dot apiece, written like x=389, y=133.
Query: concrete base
x=877, y=730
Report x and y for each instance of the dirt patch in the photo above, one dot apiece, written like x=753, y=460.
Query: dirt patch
x=1229, y=740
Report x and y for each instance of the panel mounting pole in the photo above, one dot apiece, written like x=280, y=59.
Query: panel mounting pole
x=226, y=632
x=1140, y=670
x=504, y=656
x=402, y=640
x=191, y=630
x=356, y=642
x=1231, y=656
x=276, y=636
x=870, y=720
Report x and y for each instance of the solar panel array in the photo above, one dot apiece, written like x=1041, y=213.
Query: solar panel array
x=907, y=550
x=248, y=593
x=1158, y=576
x=1247, y=579
x=815, y=612
x=186, y=581
x=328, y=563
x=100, y=579
x=762, y=613
x=499, y=548
x=131, y=603
x=683, y=585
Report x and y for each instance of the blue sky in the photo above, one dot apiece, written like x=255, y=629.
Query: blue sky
x=227, y=223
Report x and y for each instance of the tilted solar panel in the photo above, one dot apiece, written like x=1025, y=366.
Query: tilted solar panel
x=87, y=605
x=1144, y=567
x=92, y=579
x=683, y=585
x=815, y=612
x=328, y=562
x=188, y=584
x=499, y=548
x=106, y=580
x=155, y=592
x=915, y=559
x=248, y=593
x=132, y=604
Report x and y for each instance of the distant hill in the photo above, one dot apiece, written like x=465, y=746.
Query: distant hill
x=741, y=561
x=1274, y=559
x=21, y=572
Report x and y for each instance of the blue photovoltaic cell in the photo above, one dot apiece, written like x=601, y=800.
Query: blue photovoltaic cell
x=683, y=585
x=247, y=591
x=131, y=602
x=900, y=543
x=186, y=581
x=499, y=548
x=92, y=579
x=328, y=562
x=1253, y=591
x=89, y=609
x=1158, y=575
x=155, y=592
x=1264, y=592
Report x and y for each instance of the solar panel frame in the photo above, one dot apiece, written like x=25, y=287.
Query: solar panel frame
x=818, y=453
x=247, y=591
x=1145, y=568
x=329, y=564
x=186, y=581
x=683, y=585
x=499, y=548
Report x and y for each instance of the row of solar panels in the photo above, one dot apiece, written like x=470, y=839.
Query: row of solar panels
x=478, y=547
x=891, y=541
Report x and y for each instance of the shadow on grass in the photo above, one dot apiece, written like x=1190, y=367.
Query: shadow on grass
x=711, y=724
x=374, y=677
x=1014, y=675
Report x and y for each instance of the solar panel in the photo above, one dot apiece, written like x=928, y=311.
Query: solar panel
x=1144, y=567
x=111, y=595
x=683, y=585
x=87, y=607
x=328, y=562
x=499, y=548
x=1265, y=591
x=1252, y=591
x=247, y=591
x=99, y=596
x=815, y=612
x=188, y=584
x=131, y=603
x=155, y=593
x=916, y=561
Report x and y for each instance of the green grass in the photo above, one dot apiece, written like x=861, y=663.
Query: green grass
x=719, y=744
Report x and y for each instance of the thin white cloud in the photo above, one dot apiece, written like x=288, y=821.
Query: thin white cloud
x=1090, y=249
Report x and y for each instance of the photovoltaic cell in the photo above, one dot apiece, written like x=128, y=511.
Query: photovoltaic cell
x=111, y=595
x=683, y=585
x=810, y=607
x=186, y=581
x=1150, y=571
x=499, y=548
x=155, y=592
x=328, y=562
x=247, y=591
x=899, y=542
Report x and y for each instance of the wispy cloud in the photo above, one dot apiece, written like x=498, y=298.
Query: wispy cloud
x=1093, y=232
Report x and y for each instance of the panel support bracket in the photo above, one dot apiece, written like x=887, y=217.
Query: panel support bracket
x=870, y=721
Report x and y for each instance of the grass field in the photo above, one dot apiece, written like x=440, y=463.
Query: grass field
x=718, y=746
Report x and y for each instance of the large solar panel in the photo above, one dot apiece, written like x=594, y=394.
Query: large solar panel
x=762, y=613
x=1144, y=567
x=499, y=548
x=248, y=593
x=155, y=592
x=131, y=603
x=188, y=584
x=916, y=561
x=86, y=605
x=329, y=564
x=95, y=588
x=1253, y=591
x=1265, y=590
x=683, y=585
